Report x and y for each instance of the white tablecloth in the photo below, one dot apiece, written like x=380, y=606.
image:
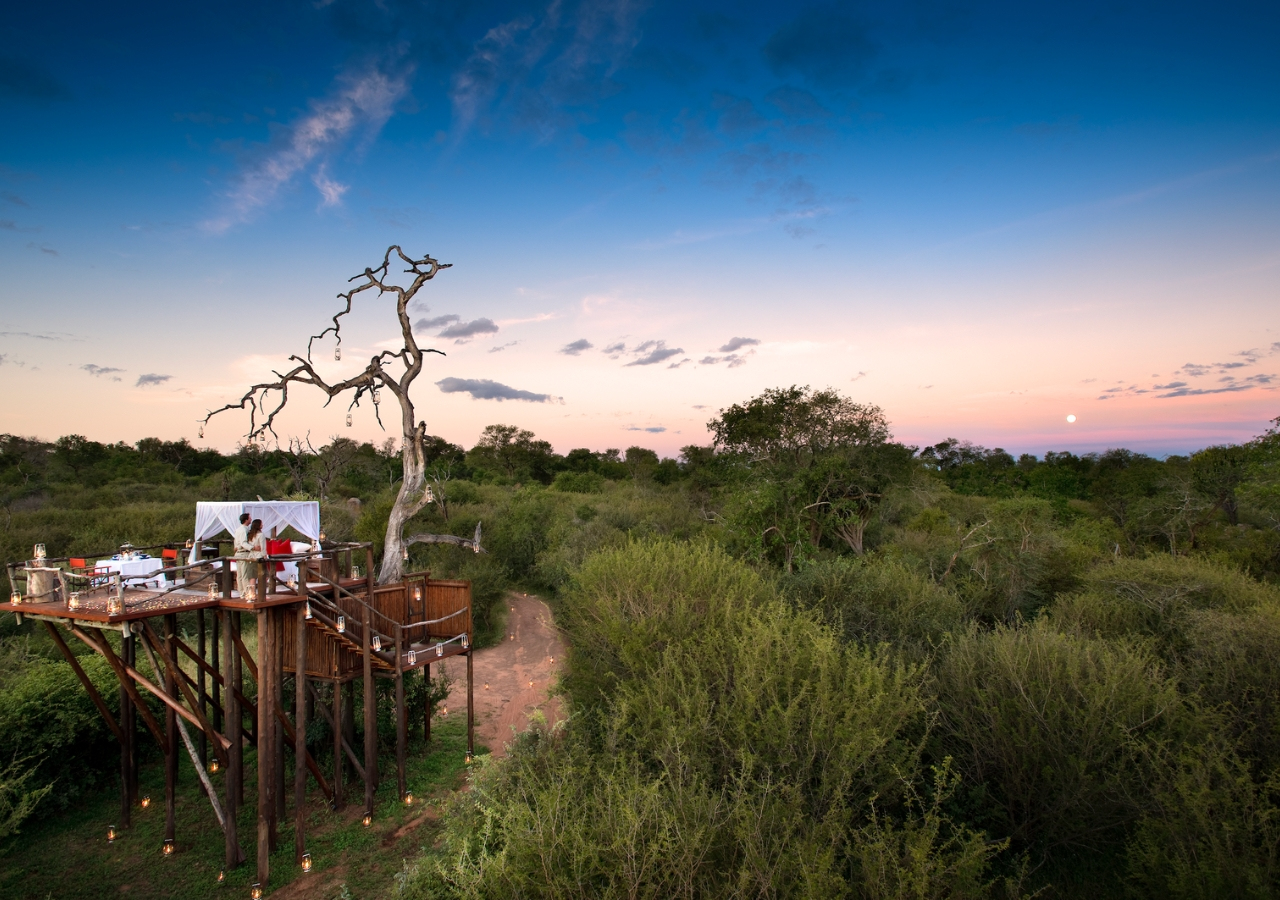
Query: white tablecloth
x=135, y=570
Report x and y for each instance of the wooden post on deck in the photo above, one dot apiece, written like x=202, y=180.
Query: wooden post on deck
x=170, y=730
x=235, y=778
x=265, y=804
x=370, y=717
x=300, y=737
x=402, y=717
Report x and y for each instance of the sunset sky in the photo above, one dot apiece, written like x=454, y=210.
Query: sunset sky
x=981, y=216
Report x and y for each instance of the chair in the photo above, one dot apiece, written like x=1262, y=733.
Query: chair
x=96, y=577
x=169, y=558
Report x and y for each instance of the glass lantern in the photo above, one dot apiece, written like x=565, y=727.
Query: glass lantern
x=342, y=624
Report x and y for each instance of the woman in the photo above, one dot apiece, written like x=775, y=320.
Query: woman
x=251, y=549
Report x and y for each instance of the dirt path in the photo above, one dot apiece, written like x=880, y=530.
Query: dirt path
x=512, y=678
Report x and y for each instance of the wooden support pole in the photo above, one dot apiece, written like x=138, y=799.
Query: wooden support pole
x=169, y=653
x=471, y=706
x=265, y=804
x=234, y=773
x=215, y=646
x=278, y=706
x=170, y=732
x=349, y=720
x=236, y=689
x=370, y=719
x=129, y=724
x=402, y=716
x=337, y=745
x=123, y=675
x=426, y=702
x=202, y=694
x=300, y=736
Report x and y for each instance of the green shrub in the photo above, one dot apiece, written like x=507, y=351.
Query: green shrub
x=1055, y=728
x=579, y=483
x=1214, y=833
x=875, y=601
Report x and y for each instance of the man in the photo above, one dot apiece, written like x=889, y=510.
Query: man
x=242, y=549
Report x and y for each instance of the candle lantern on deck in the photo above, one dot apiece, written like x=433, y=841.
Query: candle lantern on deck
x=413, y=658
x=73, y=600
x=439, y=649
x=213, y=591
x=16, y=597
x=377, y=642
x=309, y=609
x=115, y=605
x=38, y=553
x=466, y=642
x=342, y=624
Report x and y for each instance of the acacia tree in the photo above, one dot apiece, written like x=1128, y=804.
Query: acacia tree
x=266, y=400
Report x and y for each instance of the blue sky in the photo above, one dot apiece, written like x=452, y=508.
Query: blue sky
x=981, y=217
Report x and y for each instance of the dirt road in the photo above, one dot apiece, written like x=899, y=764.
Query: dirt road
x=512, y=678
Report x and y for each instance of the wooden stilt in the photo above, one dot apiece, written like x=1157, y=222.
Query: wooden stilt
x=426, y=703
x=170, y=733
x=471, y=709
x=300, y=737
x=402, y=716
x=234, y=774
x=338, y=721
x=265, y=804
x=201, y=687
x=215, y=646
x=349, y=722
x=129, y=731
x=370, y=719
x=278, y=704
x=237, y=690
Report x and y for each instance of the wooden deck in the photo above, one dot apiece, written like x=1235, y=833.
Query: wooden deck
x=335, y=629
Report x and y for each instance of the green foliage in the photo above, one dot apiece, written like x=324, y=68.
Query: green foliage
x=579, y=483
x=725, y=746
x=1056, y=727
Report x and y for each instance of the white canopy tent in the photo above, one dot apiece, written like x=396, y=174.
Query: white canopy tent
x=212, y=518
x=304, y=515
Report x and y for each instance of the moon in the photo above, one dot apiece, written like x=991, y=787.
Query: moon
x=1071, y=418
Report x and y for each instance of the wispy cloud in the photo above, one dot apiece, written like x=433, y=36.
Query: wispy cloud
x=738, y=343
x=501, y=347
x=152, y=379
x=437, y=322
x=576, y=347
x=465, y=331
x=361, y=101
x=99, y=371
x=652, y=352
x=485, y=389
x=651, y=429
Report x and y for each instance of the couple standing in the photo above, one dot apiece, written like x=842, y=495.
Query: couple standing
x=250, y=544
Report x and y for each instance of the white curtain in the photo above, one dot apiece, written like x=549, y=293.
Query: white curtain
x=304, y=515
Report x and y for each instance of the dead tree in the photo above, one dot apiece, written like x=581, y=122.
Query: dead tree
x=265, y=401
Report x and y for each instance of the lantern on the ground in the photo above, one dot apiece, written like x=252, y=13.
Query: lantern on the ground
x=408, y=798
x=168, y=847
x=145, y=802
x=222, y=876
x=367, y=820
x=111, y=834
x=255, y=892
x=306, y=862
x=214, y=767
x=469, y=758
